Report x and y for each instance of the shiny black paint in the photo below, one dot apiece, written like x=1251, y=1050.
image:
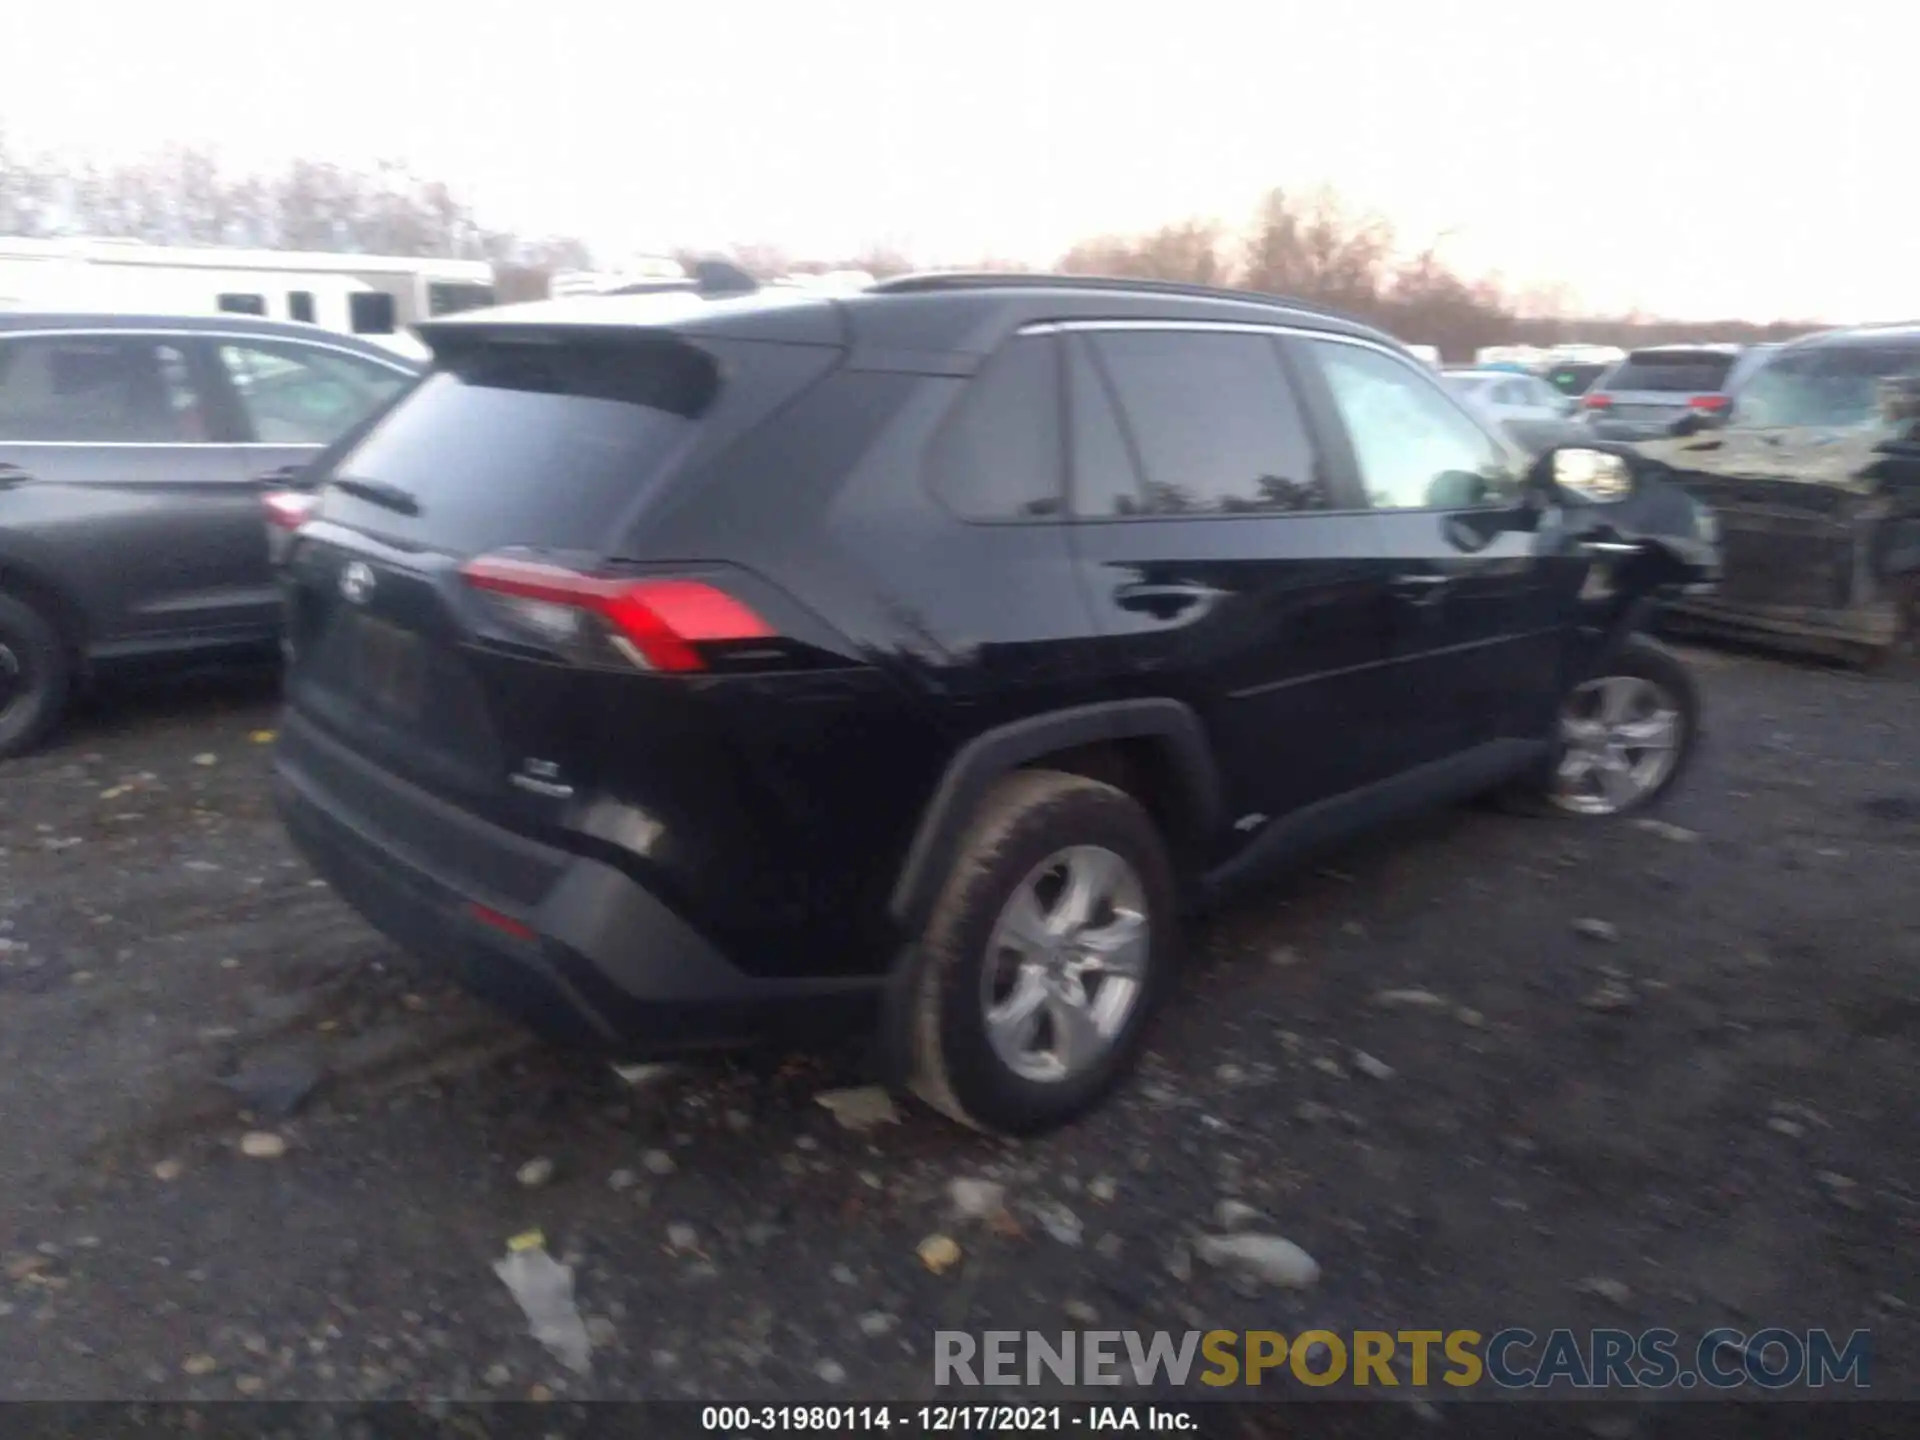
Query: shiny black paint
x=801, y=821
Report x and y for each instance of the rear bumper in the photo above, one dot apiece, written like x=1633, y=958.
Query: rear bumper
x=1627, y=431
x=567, y=944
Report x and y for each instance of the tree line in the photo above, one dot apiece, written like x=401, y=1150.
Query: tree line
x=182, y=195
x=1309, y=245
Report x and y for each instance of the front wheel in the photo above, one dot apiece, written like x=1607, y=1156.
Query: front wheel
x=1625, y=734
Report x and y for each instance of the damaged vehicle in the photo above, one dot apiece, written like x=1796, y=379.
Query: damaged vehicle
x=1815, y=480
x=914, y=660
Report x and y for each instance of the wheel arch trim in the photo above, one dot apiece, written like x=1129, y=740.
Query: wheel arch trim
x=993, y=754
x=22, y=573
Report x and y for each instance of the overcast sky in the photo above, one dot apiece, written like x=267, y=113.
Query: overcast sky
x=1689, y=158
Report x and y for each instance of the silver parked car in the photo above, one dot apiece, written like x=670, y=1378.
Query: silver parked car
x=1651, y=392
x=1531, y=411
x=1508, y=395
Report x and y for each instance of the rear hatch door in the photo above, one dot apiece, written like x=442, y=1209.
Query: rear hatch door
x=1651, y=389
x=545, y=447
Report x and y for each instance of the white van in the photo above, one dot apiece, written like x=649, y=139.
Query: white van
x=377, y=297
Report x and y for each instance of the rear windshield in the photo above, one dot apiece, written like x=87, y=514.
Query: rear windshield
x=1695, y=372
x=1830, y=386
x=517, y=445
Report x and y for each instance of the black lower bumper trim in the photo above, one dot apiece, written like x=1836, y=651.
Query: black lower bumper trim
x=601, y=963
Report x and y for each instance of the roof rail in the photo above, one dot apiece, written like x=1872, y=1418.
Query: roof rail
x=933, y=281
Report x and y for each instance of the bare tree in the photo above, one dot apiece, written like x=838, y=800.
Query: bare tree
x=1316, y=249
x=1310, y=246
x=1189, y=251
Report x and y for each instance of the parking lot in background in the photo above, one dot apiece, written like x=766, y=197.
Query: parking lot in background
x=1487, y=1071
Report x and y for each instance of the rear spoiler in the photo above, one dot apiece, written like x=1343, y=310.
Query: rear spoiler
x=778, y=315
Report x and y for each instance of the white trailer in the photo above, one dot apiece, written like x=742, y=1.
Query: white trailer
x=378, y=297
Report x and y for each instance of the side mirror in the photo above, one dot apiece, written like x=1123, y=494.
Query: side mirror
x=1584, y=475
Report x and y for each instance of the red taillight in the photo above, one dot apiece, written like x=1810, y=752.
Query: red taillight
x=658, y=624
x=505, y=924
x=1595, y=402
x=288, y=509
x=1708, y=404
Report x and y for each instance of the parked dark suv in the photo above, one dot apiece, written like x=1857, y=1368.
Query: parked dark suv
x=134, y=455
x=682, y=671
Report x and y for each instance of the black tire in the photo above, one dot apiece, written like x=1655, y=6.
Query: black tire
x=952, y=1064
x=39, y=675
x=1642, y=656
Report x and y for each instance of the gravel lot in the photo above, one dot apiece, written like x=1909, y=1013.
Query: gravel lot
x=1698, y=1111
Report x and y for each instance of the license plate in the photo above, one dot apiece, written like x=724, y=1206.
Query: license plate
x=387, y=667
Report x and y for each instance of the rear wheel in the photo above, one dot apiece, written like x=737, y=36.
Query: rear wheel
x=1048, y=951
x=35, y=674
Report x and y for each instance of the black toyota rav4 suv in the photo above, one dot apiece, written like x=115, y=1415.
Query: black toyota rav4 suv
x=683, y=671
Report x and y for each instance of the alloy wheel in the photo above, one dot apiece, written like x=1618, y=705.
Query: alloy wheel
x=1620, y=738
x=1065, y=965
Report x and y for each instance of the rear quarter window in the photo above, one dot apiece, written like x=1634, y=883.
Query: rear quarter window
x=999, y=454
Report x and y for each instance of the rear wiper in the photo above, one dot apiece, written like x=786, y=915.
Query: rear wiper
x=379, y=492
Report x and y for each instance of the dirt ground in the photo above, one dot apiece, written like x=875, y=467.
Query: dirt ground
x=1697, y=1113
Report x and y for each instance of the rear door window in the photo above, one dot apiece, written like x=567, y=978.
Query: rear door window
x=1673, y=371
x=522, y=445
x=99, y=389
x=999, y=454
x=1212, y=420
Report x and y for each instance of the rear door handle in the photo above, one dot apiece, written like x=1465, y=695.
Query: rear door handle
x=13, y=475
x=1609, y=547
x=1164, y=601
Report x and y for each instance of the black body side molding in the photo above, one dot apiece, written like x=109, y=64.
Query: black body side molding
x=1327, y=823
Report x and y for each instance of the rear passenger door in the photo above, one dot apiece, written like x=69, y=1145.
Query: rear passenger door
x=119, y=477
x=1478, y=613
x=1225, y=563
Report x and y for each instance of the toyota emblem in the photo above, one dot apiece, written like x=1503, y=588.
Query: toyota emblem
x=356, y=582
